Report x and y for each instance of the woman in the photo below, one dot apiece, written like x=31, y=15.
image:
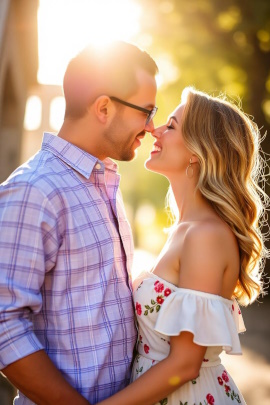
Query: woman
x=186, y=307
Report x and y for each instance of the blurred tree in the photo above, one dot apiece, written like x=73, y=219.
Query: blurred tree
x=214, y=45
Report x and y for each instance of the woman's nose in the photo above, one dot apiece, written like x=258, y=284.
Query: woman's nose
x=157, y=132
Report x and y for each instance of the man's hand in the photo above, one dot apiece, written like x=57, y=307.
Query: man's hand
x=39, y=380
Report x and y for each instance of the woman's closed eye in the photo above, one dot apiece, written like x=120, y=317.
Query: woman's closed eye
x=170, y=126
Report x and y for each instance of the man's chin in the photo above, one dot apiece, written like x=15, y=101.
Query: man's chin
x=127, y=156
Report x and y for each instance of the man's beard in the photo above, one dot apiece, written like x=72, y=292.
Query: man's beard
x=120, y=151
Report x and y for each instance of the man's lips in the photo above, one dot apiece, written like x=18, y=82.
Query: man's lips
x=141, y=135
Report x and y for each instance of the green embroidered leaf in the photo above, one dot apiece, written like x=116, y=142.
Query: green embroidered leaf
x=194, y=381
x=153, y=302
x=157, y=308
x=151, y=310
x=147, y=307
x=146, y=312
x=238, y=398
x=164, y=401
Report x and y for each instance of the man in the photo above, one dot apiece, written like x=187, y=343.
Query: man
x=66, y=323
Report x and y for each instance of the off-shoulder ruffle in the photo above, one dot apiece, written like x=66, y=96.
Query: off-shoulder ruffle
x=213, y=320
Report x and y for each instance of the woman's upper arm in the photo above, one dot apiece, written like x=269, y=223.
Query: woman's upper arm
x=188, y=354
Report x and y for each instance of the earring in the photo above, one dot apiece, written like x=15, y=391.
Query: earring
x=189, y=169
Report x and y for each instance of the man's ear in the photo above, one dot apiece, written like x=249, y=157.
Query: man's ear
x=102, y=107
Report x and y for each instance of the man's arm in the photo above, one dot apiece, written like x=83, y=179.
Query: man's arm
x=28, y=249
x=39, y=380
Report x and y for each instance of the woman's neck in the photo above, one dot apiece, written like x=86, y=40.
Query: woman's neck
x=192, y=206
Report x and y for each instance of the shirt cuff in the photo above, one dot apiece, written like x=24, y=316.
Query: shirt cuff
x=19, y=348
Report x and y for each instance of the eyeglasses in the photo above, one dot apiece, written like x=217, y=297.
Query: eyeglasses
x=150, y=113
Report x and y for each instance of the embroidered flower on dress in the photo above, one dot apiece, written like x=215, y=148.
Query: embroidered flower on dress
x=220, y=381
x=167, y=292
x=210, y=399
x=225, y=376
x=146, y=348
x=138, y=308
x=159, y=287
x=160, y=300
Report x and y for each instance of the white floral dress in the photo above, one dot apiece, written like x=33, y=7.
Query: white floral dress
x=164, y=310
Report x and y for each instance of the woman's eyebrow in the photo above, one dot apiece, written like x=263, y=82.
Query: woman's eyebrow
x=173, y=118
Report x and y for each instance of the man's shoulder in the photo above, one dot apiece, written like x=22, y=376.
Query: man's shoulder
x=40, y=172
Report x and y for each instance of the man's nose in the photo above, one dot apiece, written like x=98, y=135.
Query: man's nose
x=149, y=127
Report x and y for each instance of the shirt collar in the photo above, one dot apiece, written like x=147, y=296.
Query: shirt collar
x=73, y=156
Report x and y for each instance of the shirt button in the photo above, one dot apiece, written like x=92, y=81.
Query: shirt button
x=98, y=166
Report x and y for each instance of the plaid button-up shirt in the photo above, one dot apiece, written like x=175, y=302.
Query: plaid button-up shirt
x=65, y=254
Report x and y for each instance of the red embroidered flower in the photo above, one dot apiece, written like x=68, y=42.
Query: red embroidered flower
x=167, y=292
x=210, y=399
x=220, y=381
x=239, y=312
x=227, y=388
x=160, y=300
x=159, y=287
x=225, y=376
x=205, y=360
x=146, y=348
x=138, y=308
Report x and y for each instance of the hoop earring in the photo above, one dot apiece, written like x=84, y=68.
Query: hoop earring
x=189, y=169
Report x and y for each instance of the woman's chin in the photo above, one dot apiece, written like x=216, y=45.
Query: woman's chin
x=151, y=166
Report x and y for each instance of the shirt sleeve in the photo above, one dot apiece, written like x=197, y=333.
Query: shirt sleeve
x=29, y=242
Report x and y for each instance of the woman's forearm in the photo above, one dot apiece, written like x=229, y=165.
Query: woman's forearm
x=158, y=382
x=182, y=365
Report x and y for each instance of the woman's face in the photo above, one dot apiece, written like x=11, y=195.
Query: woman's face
x=169, y=155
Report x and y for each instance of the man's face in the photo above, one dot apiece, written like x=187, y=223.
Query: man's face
x=128, y=127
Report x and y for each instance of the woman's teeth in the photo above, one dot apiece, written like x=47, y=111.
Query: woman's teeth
x=156, y=148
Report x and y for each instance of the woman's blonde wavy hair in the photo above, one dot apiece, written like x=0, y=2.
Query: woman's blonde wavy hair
x=227, y=144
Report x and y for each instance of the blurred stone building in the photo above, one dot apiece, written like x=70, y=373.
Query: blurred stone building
x=18, y=72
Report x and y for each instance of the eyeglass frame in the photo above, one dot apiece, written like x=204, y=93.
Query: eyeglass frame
x=150, y=113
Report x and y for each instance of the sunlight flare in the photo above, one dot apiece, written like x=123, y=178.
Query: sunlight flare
x=66, y=26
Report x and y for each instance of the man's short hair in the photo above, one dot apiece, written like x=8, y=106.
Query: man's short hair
x=109, y=70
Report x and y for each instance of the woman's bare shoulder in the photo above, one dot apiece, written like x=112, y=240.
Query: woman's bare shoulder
x=208, y=249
